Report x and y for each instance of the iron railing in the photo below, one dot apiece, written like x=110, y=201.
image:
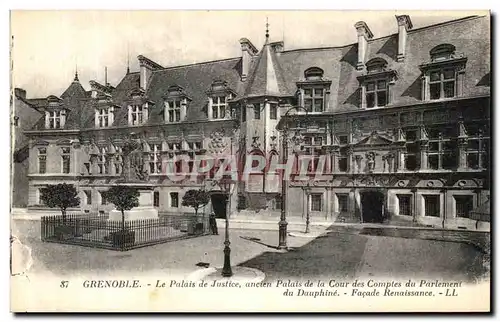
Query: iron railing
x=96, y=230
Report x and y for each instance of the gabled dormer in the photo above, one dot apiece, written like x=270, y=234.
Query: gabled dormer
x=376, y=84
x=443, y=75
x=138, y=107
x=55, y=113
x=314, y=90
x=219, y=96
x=176, y=102
x=105, y=110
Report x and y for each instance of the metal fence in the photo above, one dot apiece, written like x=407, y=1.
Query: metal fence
x=95, y=230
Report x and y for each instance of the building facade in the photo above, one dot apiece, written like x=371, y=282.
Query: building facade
x=402, y=122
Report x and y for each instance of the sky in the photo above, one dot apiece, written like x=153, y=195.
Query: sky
x=49, y=45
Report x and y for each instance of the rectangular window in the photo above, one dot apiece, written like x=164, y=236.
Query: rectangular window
x=463, y=205
x=174, y=110
x=103, y=117
x=194, y=145
x=256, y=111
x=442, y=83
x=314, y=99
x=442, y=150
x=343, y=200
x=174, y=200
x=55, y=119
x=273, y=112
x=404, y=205
x=102, y=161
x=156, y=199
x=376, y=94
x=316, y=201
x=477, y=152
x=219, y=106
x=155, y=158
x=136, y=114
x=42, y=160
x=66, y=159
x=432, y=206
x=88, y=196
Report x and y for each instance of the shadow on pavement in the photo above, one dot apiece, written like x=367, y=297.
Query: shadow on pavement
x=333, y=255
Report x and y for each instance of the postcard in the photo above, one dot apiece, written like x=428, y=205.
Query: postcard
x=250, y=161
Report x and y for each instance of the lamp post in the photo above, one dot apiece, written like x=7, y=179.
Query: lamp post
x=282, y=242
x=225, y=184
x=307, y=190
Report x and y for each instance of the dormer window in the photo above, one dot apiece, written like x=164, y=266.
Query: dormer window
x=103, y=117
x=442, y=83
x=219, y=105
x=219, y=95
x=54, y=118
x=314, y=99
x=443, y=76
x=376, y=94
x=314, y=90
x=175, y=102
x=136, y=114
x=174, y=110
x=376, y=84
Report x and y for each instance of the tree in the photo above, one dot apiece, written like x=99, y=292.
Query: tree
x=195, y=199
x=124, y=198
x=62, y=196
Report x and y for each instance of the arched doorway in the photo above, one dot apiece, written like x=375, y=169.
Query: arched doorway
x=219, y=204
x=372, y=205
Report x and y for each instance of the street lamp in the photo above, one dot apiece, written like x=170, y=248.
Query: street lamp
x=225, y=185
x=307, y=190
x=282, y=243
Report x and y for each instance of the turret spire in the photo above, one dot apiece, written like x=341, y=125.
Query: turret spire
x=76, y=74
x=267, y=30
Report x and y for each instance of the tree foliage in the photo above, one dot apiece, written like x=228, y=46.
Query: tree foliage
x=123, y=197
x=195, y=199
x=62, y=196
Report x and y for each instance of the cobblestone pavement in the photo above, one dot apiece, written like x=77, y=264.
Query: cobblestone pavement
x=342, y=252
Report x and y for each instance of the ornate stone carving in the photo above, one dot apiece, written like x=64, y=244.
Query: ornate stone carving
x=217, y=143
x=370, y=161
x=388, y=160
x=133, y=162
x=357, y=160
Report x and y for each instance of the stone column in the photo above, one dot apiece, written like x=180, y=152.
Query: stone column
x=328, y=208
x=424, y=147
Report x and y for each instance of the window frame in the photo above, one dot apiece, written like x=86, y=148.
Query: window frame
x=376, y=91
x=442, y=81
x=102, y=161
x=318, y=195
x=174, y=107
x=155, y=160
x=172, y=198
x=42, y=159
x=219, y=107
x=313, y=97
x=428, y=197
x=340, y=199
x=471, y=205
x=441, y=151
x=103, y=117
x=409, y=207
x=137, y=114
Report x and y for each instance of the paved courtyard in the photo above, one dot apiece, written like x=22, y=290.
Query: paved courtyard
x=341, y=252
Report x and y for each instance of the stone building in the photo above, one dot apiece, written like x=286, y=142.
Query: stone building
x=403, y=121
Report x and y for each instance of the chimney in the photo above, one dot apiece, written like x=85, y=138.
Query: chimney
x=147, y=66
x=248, y=50
x=364, y=33
x=21, y=93
x=404, y=24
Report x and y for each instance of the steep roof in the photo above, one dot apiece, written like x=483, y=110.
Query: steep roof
x=275, y=73
x=75, y=89
x=266, y=77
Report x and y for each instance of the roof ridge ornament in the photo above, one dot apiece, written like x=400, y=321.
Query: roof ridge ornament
x=267, y=30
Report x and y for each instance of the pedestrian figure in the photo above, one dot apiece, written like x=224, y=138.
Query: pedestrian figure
x=213, y=224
